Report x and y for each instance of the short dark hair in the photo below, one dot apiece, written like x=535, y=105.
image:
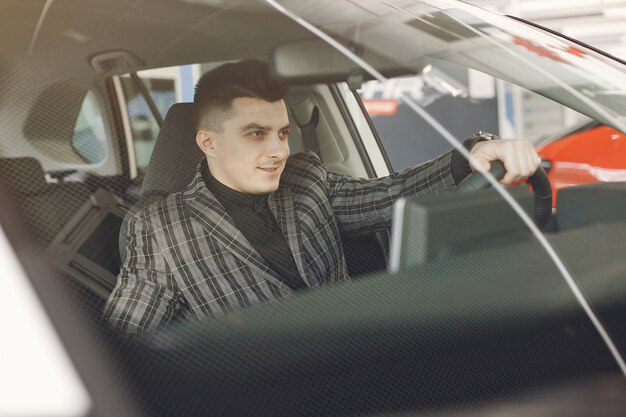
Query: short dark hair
x=217, y=88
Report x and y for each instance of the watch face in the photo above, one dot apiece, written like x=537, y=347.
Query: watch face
x=485, y=135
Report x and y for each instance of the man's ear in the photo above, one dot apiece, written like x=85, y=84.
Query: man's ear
x=206, y=142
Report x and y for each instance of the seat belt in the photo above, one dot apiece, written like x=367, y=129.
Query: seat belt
x=309, y=133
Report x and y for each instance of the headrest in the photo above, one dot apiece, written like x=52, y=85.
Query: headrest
x=22, y=175
x=175, y=156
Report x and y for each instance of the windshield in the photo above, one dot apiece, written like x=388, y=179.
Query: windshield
x=419, y=35
x=412, y=34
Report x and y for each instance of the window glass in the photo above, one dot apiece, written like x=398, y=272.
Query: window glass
x=144, y=125
x=89, y=138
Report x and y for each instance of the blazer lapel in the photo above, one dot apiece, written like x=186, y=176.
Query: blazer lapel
x=209, y=212
x=282, y=207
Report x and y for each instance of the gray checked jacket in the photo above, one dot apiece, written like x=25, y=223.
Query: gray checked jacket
x=184, y=255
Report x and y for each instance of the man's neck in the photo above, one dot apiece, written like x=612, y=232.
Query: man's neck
x=224, y=193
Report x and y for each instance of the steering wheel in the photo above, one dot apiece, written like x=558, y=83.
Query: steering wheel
x=539, y=181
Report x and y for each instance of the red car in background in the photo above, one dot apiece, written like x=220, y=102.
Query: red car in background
x=590, y=153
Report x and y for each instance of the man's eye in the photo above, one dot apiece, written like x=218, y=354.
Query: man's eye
x=256, y=134
x=284, y=134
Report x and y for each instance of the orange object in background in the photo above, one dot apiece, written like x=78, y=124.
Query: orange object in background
x=381, y=107
x=595, y=154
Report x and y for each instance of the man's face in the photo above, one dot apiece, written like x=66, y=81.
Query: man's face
x=250, y=152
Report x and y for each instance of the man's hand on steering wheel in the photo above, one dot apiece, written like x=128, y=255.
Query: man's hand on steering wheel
x=518, y=156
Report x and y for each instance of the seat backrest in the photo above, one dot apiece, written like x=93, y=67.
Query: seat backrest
x=172, y=164
x=44, y=207
x=22, y=176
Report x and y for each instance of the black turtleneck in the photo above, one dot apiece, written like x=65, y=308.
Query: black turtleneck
x=253, y=217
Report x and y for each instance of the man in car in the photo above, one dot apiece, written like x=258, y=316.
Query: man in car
x=256, y=224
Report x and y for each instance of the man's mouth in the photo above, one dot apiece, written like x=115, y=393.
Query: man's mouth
x=269, y=169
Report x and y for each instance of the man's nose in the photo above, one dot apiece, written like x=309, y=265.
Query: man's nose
x=278, y=148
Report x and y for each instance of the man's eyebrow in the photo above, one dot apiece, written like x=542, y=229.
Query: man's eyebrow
x=256, y=126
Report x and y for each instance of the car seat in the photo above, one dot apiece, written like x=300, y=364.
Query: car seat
x=44, y=207
x=172, y=165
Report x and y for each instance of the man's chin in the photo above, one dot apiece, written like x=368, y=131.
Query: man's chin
x=264, y=189
x=271, y=189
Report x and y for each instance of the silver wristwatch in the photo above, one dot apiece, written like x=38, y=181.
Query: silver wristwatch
x=485, y=135
x=479, y=136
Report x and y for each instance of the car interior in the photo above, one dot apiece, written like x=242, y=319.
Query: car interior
x=443, y=331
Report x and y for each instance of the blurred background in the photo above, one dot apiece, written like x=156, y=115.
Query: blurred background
x=601, y=23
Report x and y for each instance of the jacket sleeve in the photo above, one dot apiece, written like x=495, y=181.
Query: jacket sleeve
x=145, y=296
x=366, y=205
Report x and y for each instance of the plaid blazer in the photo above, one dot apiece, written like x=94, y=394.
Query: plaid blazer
x=184, y=254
